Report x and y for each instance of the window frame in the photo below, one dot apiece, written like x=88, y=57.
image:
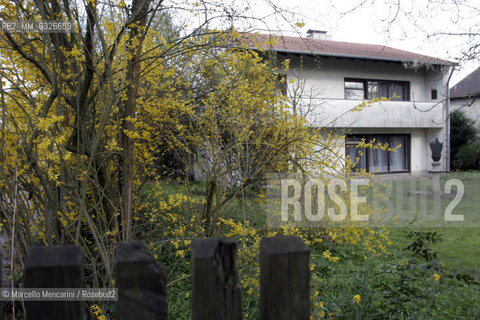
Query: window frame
x=370, y=137
x=352, y=88
x=404, y=84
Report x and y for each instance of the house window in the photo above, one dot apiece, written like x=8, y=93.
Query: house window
x=354, y=89
x=376, y=160
x=369, y=89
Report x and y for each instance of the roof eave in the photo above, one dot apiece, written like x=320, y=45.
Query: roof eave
x=472, y=96
x=348, y=56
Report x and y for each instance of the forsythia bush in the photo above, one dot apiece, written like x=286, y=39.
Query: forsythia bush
x=173, y=222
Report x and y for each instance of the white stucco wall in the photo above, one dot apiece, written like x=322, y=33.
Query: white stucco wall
x=325, y=77
x=420, y=153
x=321, y=83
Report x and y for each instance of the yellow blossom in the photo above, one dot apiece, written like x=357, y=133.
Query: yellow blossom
x=357, y=298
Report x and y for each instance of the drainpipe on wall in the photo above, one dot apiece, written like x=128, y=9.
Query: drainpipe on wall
x=447, y=121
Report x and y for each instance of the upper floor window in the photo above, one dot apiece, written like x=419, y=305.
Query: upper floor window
x=369, y=89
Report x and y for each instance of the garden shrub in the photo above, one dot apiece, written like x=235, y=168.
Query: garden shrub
x=462, y=132
x=468, y=157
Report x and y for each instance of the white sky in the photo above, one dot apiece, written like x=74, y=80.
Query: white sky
x=416, y=19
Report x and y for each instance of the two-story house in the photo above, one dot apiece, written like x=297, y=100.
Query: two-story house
x=335, y=77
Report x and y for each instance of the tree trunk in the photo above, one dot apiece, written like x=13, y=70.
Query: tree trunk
x=139, y=15
x=211, y=190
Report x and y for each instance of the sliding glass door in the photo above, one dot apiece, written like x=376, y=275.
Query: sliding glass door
x=389, y=153
x=399, y=157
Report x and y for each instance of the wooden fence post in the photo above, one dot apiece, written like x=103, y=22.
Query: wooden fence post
x=284, y=278
x=2, y=303
x=54, y=267
x=216, y=292
x=141, y=283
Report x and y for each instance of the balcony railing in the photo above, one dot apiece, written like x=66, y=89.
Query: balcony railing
x=387, y=114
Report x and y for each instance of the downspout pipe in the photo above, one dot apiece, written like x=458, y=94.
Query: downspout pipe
x=447, y=120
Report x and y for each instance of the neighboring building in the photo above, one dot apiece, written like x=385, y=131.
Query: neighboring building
x=465, y=96
x=338, y=76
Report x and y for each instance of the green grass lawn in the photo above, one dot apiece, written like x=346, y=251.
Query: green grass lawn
x=397, y=284
x=460, y=248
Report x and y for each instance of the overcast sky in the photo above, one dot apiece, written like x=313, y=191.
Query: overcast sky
x=408, y=27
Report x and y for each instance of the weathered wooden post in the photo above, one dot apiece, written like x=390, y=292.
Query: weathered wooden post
x=54, y=267
x=2, y=303
x=216, y=292
x=284, y=278
x=141, y=283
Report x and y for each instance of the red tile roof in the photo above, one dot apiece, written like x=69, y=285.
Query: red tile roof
x=331, y=48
